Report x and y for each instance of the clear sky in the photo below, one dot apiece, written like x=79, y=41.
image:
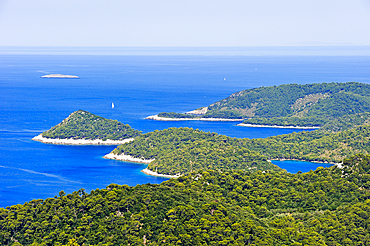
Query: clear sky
x=174, y=23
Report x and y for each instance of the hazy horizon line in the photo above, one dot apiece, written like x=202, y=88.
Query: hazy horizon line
x=295, y=50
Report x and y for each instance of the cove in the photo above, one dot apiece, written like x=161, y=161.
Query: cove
x=293, y=166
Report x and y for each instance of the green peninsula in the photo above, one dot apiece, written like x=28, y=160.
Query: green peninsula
x=309, y=105
x=179, y=151
x=82, y=127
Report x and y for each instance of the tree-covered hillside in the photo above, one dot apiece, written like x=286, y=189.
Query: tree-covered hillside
x=347, y=122
x=293, y=104
x=84, y=125
x=314, y=145
x=183, y=150
x=329, y=206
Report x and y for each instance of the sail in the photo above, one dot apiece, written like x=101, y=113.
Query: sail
x=112, y=105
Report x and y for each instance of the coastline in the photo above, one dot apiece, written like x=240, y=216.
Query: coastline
x=149, y=172
x=70, y=141
x=129, y=158
x=276, y=126
x=156, y=117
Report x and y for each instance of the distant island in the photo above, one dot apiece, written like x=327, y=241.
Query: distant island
x=60, y=76
x=291, y=105
x=84, y=128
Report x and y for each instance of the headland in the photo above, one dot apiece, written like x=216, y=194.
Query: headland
x=129, y=158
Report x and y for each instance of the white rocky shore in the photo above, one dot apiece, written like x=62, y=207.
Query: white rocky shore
x=147, y=171
x=276, y=126
x=156, y=117
x=129, y=158
x=71, y=141
x=60, y=76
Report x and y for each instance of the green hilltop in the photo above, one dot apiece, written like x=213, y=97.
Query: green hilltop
x=289, y=105
x=84, y=125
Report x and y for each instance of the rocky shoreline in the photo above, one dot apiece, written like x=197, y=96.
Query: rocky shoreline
x=276, y=126
x=149, y=172
x=129, y=158
x=156, y=117
x=71, y=141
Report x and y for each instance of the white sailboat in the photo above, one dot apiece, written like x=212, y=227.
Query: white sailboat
x=112, y=105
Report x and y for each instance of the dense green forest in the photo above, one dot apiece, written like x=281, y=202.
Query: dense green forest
x=288, y=121
x=329, y=206
x=314, y=145
x=347, y=122
x=183, y=150
x=293, y=104
x=84, y=125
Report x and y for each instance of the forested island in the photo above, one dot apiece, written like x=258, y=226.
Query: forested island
x=309, y=105
x=84, y=128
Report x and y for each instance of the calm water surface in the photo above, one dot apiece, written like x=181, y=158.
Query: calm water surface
x=303, y=166
x=138, y=86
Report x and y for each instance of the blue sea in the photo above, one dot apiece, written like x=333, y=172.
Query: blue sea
x=139, y=84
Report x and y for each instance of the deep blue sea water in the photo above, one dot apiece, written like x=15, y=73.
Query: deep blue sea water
x=138, y=85
x=296, y=166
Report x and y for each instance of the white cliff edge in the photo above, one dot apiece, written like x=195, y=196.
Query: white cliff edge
x=71, y=141
x=129, y=158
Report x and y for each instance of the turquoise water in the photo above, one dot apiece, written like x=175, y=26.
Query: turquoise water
x=138, y=86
